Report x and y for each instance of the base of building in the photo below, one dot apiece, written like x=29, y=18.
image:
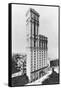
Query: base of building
x=38, y=74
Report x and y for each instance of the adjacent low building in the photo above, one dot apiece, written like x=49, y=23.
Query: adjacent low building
x=54, y=63
x=19, y=62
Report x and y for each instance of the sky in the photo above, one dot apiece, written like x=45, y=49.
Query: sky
x=48, y=26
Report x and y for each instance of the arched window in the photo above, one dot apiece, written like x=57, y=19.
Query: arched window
x=32, y=28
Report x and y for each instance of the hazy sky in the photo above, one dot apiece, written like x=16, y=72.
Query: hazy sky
x=48, y=27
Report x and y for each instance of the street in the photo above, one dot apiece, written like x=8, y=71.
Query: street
x=39, y=81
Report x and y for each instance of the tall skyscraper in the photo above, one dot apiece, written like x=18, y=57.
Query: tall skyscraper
x=36, y=46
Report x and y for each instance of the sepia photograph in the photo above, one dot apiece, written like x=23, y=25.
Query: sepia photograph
x=34, y=44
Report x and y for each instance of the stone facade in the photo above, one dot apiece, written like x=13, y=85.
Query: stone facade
x=36, y=47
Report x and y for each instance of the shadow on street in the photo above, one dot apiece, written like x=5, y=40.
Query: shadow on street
x=53, y=79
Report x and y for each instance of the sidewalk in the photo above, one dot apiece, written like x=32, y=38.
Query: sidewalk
x=39, y=81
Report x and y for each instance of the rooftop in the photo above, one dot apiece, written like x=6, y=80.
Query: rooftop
x=32, y=10
x=42, y=36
